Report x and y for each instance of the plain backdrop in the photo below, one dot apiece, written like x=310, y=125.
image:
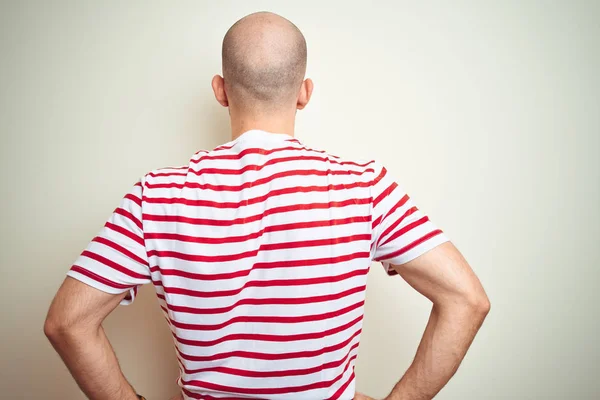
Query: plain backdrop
x=487, y=113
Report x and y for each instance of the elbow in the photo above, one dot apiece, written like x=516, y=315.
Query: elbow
x=472, y=305
x=61, y=329
x=56, y=331
x=52, y=329
x=467, y=306
x=479, y=304
x=484, y=306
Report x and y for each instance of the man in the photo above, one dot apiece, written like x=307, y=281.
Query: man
x=259, y=252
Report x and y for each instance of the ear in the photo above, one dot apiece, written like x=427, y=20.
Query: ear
x=305, y=93
x=218, y=85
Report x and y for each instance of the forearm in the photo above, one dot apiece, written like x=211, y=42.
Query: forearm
x=93, y=363
x=445, y=342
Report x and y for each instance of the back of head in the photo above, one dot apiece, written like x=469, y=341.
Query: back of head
x=264, y=62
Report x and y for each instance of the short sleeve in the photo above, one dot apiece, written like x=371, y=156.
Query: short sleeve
x=115, y=261
x=401, y=232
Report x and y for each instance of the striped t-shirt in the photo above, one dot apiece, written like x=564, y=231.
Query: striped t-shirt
x=259, y=252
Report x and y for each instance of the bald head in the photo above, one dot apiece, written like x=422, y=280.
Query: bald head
x=264, y=61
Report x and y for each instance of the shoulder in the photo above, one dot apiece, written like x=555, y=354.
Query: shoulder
x=175, y=176
x=165, y=175
x=363, y=166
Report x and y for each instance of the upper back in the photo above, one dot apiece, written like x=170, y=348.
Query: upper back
x=259, y=251
x=264, y=196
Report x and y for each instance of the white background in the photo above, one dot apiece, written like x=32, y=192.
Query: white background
x=487, y=113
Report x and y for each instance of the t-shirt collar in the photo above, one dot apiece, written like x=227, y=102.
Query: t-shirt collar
x=257, y=134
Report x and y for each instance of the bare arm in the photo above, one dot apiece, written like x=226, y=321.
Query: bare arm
x=74, y=328
x=459, y=307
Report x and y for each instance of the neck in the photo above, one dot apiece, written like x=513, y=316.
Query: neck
x=275, y=123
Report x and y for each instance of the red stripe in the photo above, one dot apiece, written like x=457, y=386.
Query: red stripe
x=130, y=216
x=266, y=283
x=399, y=204
x=314, y=243
x=125, y=232
x=98, y=278
x=261, y=181
x=263, y=247
x=253, y=218
x=384, y=194
x=179, y=167
x=269, y=319
x=271, y=356
x=315, y=224
x=276, y=373
x=225, y=147
x=138, y=183
x=269, y=338
x=410, y=246
x=245, y=152
x=120, y=249
x=376, y=222
x=339, y=158
x=134, y=198
x=259, y=151
x=254, y=235
x=381, y=175
x=273, y=161
x=391, y=228
x=271, y=151
x=342, y=388
x=255, y=200
x=406, y=229
x=113, y=265
x=200, y=153
x=313, y=261
x=271, y=390
x=205, y=277
x=157, y=174
x=264, y=301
